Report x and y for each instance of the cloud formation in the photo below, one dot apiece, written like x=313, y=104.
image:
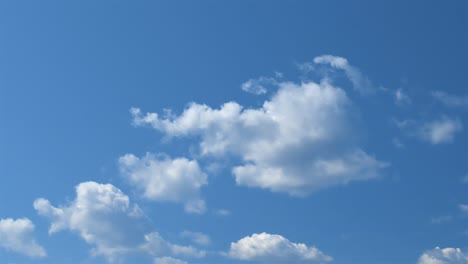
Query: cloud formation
x=18, y=236
x=158, y=246
x=160, y=178
x=258, y=86
x=401, y=98
x=360, y=82
x=268, y=248
x=104, y=217
x=169, y=260
x=196, y=237
x=441, y=130
x=443, y=256
x=299, y=141
x=450, y=100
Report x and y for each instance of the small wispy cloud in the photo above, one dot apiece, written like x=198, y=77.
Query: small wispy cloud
x=441, y=219
x=465, y=179
x=450, y=100
x=397, y=143
x=442, y=130
x=401, y=98
x=259, y=85
x=360, y=82
x=463, y=208
x=196, y=237
x=222, y=212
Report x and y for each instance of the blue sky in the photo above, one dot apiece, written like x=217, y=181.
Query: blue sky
x=172, y=132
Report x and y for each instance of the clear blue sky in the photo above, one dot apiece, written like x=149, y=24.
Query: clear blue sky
x=348, y=132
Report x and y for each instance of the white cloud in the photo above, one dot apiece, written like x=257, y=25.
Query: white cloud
x=442, y=130
x=169, y=260
x=104, y=217
x=443, y=256
x=267, y=248
x=18, y=236
x=397, y=143
x=196, y=237
x=164, y=179
x=464, y=208
x=299, y=141
x=222, y=212
x=450, y=100
x=258, y=86
x=360, y=82
x=401, y=98
x=157, y=246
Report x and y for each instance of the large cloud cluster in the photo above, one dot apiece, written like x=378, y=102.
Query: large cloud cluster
x=301, y=140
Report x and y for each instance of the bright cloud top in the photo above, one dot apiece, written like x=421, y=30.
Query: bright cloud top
x=164, y=179
x=300, y=140
x=18, y=236
x=267, y=248
x=104, y=217
x=444, y=256
x=441, y=130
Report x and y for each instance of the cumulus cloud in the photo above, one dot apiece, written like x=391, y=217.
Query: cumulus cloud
x=300, y=140
x=360, y=82
x=450, y=100
x=18, y=236
x=169, y=260
x=103, y=216
x=160, y=178
x=268, y=248
x=196, y=237
x=441, y=130
x=443, y=256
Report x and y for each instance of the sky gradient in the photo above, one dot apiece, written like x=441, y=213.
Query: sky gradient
x=174, y=132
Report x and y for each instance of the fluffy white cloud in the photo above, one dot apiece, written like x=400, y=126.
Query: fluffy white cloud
x=196, y=237
x=443, y=256
x=450, y=100
x=441, y=130
x=360, y=82
x=169, y=260
x=18, y=236
x=267, y=248
x=299, y=141
x=164, y=179
x=104, y=217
